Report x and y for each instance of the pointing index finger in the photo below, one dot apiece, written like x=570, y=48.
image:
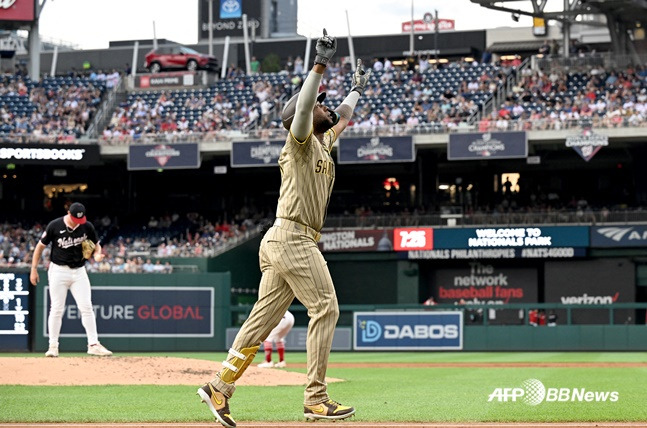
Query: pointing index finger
x=325, y=32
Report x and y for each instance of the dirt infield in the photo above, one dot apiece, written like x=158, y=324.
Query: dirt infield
x=339, y=424
x=131, y=371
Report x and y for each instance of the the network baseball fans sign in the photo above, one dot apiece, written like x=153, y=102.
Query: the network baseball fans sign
x=408, y=331
x=143, y=312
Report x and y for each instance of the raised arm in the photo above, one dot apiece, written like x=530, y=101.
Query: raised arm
x=346, y=108
x=302, y=123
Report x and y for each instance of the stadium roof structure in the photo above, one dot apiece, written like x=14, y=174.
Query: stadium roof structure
x=622, y=16
x=626, y=11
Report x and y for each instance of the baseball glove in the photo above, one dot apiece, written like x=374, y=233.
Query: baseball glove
x=87, y=247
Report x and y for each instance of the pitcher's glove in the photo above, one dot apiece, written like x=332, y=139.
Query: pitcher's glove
x=87, y=247
x=360, y=77
x=326, y=48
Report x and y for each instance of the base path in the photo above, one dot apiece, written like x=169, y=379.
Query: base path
x=341, y=424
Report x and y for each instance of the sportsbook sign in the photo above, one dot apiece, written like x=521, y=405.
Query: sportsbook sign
x=407, y=331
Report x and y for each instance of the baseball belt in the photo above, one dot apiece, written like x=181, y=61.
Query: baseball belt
x=284, y=223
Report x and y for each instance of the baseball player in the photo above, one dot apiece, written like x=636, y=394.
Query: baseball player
x=73, y=241
x=277, y=336
x=290, y=261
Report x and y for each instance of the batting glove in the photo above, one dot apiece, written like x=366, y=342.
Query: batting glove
x=326, y=47
x=360, y=77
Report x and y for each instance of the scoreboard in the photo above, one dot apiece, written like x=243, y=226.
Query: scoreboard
x=14, y=311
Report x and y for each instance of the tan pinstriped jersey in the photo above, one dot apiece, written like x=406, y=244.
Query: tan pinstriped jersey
x=307, y=178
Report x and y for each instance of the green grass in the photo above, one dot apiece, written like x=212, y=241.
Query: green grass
x=379, y=394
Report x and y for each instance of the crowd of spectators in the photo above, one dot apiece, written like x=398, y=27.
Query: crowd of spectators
x=141, y=247
x=52, y=109
x=559, y=100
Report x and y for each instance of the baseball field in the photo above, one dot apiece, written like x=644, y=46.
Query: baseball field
x=387, y=389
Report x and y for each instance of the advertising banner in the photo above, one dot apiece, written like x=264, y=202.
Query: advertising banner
x=512, y=237
x=498, y=253
x=227, y=18
x=376, y=150
x=592, y=283
x=17, y=10
x=407, y=331
x=423, y=25
x=355, y=240
x=164, y=156
x=256, y=153
x=50, y=154
x=629, y=235
x=14, y=311
x=142, y=312
x=488, y=145
x=170, y=79
x=482, y=283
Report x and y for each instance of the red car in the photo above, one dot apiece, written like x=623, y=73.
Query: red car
x=178, y=57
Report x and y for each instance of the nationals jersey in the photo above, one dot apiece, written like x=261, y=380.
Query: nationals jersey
x=307, y=178
x=66, y=243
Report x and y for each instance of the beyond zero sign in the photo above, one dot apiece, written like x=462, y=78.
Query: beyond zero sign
x=379, y=331
x=142, y=312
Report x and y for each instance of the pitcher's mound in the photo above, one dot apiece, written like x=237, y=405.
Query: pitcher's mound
x=132, y=371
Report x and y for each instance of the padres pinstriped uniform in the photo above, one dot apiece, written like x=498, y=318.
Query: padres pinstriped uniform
x=290, y=260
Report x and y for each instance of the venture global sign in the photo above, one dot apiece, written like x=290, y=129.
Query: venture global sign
x=144, y=312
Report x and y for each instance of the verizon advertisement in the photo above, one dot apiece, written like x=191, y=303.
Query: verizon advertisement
x=410, y=239
x=356, y=240
x=592, y=283
x=17, y=10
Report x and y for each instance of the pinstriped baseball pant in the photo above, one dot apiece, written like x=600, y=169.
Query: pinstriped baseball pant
x=292, y=265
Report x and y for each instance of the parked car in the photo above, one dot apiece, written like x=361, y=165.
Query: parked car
x=178, y=57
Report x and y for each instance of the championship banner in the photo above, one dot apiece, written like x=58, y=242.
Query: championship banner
x=14, y=311
x=376, y=150
x=512, y=237
x=50, y=154
x=587, y=144
x=255, y=153
x=169, y=79
x=142, y=312
x=619, y=236
x=163, y=156
x=355, y=240
x=488, y=145
x=407, y=331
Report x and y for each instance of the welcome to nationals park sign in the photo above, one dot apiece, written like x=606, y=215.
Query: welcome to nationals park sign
x=464, y=243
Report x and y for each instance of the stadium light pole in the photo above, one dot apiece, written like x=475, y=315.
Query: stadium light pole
x=436, y=38
x=351, y=48
x=210, y=27
x=248, y=67
x=411, y=35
